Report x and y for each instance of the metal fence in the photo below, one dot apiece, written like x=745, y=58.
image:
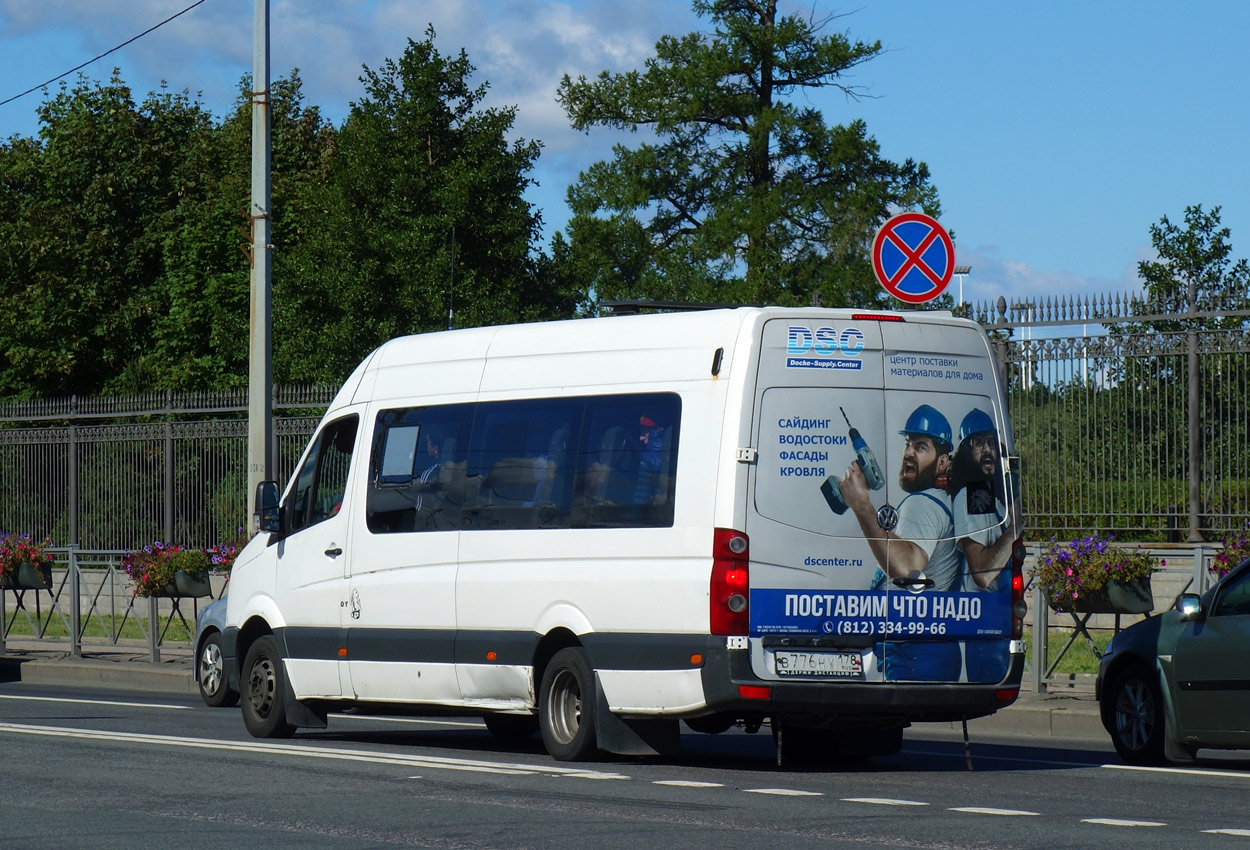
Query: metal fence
x=92, y=601
x=1130, y=416
x=176, y=471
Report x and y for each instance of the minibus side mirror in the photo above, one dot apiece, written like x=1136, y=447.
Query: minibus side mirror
x=268, y=512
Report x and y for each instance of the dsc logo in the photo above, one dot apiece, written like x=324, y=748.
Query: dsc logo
x=825, y=341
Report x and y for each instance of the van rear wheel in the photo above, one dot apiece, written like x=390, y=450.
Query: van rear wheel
x=264, y=689
x=566, y=708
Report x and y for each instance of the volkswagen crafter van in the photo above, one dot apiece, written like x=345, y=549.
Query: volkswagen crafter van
x=599, y=528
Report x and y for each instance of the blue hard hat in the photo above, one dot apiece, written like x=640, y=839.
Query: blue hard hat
x=927, y=421
x=976, y=422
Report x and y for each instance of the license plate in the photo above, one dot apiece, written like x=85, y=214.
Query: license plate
x=821, y=665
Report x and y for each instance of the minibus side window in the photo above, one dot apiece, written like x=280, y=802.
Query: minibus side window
x=627, y=462
x=417, y=470
x=522, y=460
x=322, y=480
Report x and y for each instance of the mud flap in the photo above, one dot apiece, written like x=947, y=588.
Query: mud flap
x=632, y=736
x=301, y=714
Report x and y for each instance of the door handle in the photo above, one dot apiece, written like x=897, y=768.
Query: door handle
x=335, y=552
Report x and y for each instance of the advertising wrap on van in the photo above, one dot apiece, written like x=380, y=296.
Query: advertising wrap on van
x=878, y=613
x=891, y=472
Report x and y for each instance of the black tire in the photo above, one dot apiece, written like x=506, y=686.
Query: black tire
x=264, y=686
x=1134, y=705
x=511, y=727
x=210, y=674
x=566, y=706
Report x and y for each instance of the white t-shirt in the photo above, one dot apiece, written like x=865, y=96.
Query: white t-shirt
x=925, y=519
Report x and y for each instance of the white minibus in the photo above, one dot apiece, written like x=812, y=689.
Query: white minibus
x=599, y=529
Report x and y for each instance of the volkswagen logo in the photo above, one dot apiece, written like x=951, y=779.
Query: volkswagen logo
x=887, y=517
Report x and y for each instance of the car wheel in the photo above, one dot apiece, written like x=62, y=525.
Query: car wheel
x=1135, y=706
x=264, y=684
x=566, y=708
x=210, y=673
x=511, y=727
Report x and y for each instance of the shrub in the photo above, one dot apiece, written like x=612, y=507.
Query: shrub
x=1236, y=549
x=153, y=567
x=18, y=549
x=221, y=557
x=1075, y=568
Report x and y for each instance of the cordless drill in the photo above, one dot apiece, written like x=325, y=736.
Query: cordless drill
x=867, y=462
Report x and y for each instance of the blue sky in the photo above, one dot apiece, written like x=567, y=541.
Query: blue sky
x=1056, y=132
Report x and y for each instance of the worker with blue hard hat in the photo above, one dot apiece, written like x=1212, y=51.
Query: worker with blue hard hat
x=985, y=530
x=976, y=422
x=927, y=421
x=917, y=552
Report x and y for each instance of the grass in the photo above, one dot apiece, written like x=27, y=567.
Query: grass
x=100, y=628
x=1079, y=658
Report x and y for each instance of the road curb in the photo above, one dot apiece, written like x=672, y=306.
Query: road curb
x=116, y=669
x=174, y=678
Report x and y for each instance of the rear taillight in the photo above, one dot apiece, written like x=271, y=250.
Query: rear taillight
x=1018, y=606
x=729, y=612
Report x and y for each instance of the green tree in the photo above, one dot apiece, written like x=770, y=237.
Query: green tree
x=746, y=195
x=1195, y=267
x=81, y=218
x=427, y=224
x=203, y=337
x=124, y=228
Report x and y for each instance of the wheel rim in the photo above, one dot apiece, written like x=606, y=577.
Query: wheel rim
x=1134, y=714
x=565, y=701
x=211, y=668
x=262, y=687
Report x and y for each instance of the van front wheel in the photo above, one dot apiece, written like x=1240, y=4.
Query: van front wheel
x=264, y=686
x=566, y=710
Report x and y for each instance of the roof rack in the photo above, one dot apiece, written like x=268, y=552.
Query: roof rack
x=631, y=308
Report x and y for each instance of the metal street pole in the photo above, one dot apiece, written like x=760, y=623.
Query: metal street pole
x=959, y=272
x=260, y=352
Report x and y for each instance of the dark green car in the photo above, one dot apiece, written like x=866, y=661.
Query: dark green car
x=1180, y=681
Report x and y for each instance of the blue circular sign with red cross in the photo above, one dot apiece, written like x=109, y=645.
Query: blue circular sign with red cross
x=913, y=257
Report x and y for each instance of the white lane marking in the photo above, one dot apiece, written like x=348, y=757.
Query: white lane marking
x=882, y=801
x=425, y=761
x=1180, y=771
x=1241, y=832
x=980, y=810
x=686, y=783
x=1118, y=822
x=97, y=702
x=782, y=792
x=383, y=718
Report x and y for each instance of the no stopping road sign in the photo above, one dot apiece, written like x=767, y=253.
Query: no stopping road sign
x=913, y=257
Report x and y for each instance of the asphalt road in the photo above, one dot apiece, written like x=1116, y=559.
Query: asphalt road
x=86, y=767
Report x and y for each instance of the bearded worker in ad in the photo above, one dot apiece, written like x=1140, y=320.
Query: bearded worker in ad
x=921, y=546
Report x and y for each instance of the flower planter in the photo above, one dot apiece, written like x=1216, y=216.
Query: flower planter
x=186, y=584
x=1134, y=597
x=29, y=577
